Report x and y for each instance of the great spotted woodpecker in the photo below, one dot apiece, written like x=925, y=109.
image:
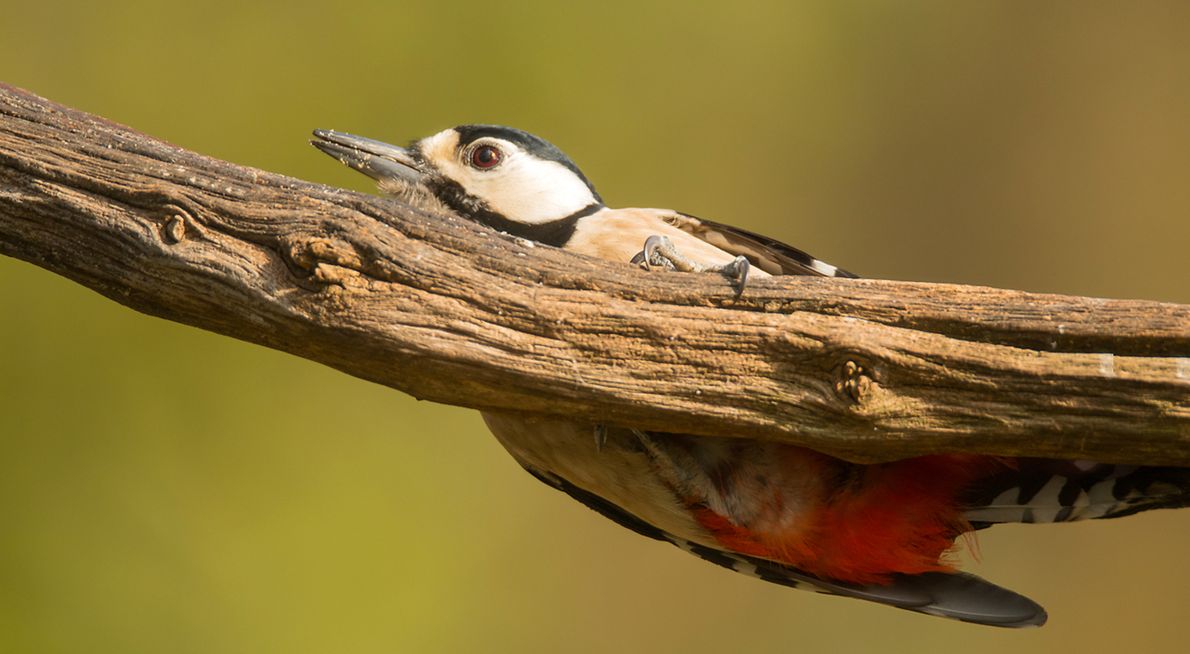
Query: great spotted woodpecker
x=782, y=513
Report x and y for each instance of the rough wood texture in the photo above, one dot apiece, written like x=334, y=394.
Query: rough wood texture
x=448, y=311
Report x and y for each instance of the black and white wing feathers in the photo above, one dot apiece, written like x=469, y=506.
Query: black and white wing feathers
x=771, y=256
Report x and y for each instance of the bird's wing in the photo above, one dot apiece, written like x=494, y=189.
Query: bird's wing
x=954, y=595
x=771, y=256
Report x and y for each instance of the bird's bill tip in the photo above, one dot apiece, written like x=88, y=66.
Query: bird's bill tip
x=376, y=159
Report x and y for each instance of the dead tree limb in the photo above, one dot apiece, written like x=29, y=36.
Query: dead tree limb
x=452, y=312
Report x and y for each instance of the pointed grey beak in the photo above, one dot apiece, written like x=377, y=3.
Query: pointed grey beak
x=378, y=160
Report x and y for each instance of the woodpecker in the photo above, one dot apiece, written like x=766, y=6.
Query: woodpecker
x=785, y=514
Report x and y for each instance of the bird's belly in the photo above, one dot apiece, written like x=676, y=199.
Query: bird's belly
x=619, y=470
x=734, y=494
x=768, y=500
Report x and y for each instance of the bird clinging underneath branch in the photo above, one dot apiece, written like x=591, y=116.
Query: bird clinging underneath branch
x=783, y=513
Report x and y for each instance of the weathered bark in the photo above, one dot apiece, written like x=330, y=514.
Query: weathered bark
x=449, y=311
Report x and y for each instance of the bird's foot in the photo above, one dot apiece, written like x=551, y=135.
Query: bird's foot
x=660, y=252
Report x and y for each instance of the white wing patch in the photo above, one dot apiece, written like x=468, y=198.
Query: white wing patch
x=824, y=268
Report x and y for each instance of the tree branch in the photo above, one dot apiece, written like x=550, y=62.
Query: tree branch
x=452, y=312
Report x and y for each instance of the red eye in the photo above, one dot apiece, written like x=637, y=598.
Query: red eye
x=485, y=156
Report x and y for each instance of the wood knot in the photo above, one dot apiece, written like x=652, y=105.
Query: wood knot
x=852, y=382
x=309, y=253
x=173, y=229
x=322, y=262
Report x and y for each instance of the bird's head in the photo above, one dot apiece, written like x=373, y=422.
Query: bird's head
x=496, y=175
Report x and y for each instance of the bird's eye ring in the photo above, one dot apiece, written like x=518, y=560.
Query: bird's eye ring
x=486, y=156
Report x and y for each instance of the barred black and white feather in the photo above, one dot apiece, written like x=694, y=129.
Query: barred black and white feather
x=1045, y=490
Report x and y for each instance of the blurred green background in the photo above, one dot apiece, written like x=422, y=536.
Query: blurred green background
x=166, y=489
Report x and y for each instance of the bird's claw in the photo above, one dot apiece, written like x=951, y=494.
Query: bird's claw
x=659, y=252
x=738, y=271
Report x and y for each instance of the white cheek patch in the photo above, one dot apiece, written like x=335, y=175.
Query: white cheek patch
x=530, y=190
x=522, y=188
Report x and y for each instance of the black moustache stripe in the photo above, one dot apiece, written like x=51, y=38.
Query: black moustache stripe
x=555, y=232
